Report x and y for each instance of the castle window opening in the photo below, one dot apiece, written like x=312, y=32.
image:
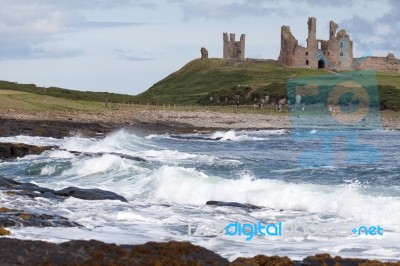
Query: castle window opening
x=307, y=62
x=307, y=54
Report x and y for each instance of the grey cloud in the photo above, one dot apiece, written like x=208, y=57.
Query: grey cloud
x=32, y=27
x=36, y=52
x=130, y=55
x=216, y=10
x=90, y=4
x=363, y=30
x=328, y=3
x=106, y=24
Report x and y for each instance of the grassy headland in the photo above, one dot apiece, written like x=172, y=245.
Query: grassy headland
x=200, y=82
x=222, y=82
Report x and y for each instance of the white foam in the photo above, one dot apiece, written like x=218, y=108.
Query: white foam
x=38, y=141
x=105, y=164
x=48, y=170
x=233, y=136
x=59, y=154
x=188, y=186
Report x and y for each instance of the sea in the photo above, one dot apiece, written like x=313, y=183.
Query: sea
x=328, y=194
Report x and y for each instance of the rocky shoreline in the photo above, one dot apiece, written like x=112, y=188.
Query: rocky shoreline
x=79, y=252
x=59, y=125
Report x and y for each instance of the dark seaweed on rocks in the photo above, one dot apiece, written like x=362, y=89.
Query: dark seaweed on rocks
x=18, y=218
x=79, y=252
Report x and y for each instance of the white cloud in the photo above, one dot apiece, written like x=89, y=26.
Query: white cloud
x=34, y=28
x=120, y=44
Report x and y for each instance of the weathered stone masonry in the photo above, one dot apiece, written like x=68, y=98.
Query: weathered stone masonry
x=334, y=53
x=234, y=49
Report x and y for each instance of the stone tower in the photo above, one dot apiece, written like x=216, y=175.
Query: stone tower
x=234, y=49
x=312, y=33
x=332, y=29
x=334, y=53
x=288, y=46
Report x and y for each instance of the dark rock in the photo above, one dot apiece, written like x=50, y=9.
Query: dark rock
x=23, y=252
x=32, y=190
x=55, y=129
x=326, y=259
x=232, y=204
x=263, y=260
x=14, y=150
x=79, y=252
x=11, y=218
x=89, y=194
x=94, y=154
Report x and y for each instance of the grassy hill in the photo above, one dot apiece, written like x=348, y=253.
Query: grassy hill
x=89, y=96
x=199, y=79
x=212, y=82
x=220, y=82
x=14, y=99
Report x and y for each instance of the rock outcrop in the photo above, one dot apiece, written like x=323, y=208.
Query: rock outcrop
x=14, y=150
x=79, y=252
x=20, y=218
x=33, y=191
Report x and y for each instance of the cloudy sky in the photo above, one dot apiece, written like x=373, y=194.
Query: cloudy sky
x=126, y=46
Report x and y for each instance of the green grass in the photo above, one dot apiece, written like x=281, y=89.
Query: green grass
x=221, y=82
x=199, y=78
x=34, y=102
x=199, y=81
x=388, y=79
x=67, y=94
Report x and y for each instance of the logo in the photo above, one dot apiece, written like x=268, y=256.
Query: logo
x=372, y=230
x=337, y=105
x=251, y=230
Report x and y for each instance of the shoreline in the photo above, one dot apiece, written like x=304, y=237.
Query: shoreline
x=60, y=124
x=93, y=252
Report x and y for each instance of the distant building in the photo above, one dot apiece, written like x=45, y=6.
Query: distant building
x=234, y=49
x=335, y=53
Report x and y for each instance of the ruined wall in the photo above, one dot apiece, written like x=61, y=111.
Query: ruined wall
x=233, y=49
x=335, y=53
x=288, y=45
x=388, y=63
x=338, y=50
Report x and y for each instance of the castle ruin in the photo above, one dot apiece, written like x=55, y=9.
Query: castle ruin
x=335, y=53
x=233, y=49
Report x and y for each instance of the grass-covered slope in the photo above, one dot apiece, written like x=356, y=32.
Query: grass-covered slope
x=198, y=79
x=66, y=93
x=200, y=82
x=13, y=99
x=219, y=82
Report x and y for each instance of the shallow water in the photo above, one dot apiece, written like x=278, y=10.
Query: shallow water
x=319, y=192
